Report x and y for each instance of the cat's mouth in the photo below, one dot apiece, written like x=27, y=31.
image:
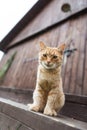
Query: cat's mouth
x=48, y=66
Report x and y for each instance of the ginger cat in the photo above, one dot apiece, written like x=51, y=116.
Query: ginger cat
x=48, y=95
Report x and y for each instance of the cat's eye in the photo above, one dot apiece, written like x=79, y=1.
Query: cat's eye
x=55, y=57
x=44, y=55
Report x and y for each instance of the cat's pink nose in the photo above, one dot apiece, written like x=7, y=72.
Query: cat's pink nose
x=48, y=62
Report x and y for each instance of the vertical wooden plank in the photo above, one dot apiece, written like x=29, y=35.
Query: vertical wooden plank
x=67, y=76
x=85, y=73
x=80, y=69
x=64, y=30
x=85, y=64
x=76, y=41
x=77, y=74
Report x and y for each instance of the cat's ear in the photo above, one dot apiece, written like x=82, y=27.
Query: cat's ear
x=61, y=48
x=42, y=46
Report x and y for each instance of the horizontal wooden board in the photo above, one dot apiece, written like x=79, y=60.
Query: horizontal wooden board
x=38, y=121
x=71, y=108
x=75, y=111
x=8, y=123
x=17, y=95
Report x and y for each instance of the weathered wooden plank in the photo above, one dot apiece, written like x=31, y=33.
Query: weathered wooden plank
x=17, y=95
x=85, y=66
x=25, y=96
x=71, y=108
x=68, y=67
x=80, y=69
x=76, y=99
x=75, y=60
x=71, y=62
x=22, y=67
x=38, y=121
x=67, y=78
x=8, y=123
x=85, y=76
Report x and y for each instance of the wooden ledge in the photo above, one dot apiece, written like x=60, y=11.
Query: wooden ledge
x=26, y=95
x=75, y=106
x=38, y=121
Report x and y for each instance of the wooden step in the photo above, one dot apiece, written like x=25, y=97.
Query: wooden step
x=75, y=106
x=29, y=120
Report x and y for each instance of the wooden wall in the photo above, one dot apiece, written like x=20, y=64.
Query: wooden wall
x=23, y=75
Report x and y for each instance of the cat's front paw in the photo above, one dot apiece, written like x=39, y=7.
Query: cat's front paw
x=33, y=107
x=50, y=112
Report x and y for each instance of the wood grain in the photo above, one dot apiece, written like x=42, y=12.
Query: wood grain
x=38, y=121
x=23, y=75
x=8, y=123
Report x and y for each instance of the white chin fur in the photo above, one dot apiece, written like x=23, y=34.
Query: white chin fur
x=48, y=67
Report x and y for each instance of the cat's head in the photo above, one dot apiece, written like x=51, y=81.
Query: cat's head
x=49, y=57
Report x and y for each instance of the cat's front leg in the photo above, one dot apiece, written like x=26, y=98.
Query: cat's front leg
x=55, y=102
x=39, y=100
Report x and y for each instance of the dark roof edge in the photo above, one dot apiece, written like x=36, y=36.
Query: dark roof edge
x=35, y=10
x=84, y=11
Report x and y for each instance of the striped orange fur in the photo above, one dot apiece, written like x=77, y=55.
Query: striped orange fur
x=48, y=95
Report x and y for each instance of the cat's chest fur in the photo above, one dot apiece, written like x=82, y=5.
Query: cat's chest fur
x=48, y=79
